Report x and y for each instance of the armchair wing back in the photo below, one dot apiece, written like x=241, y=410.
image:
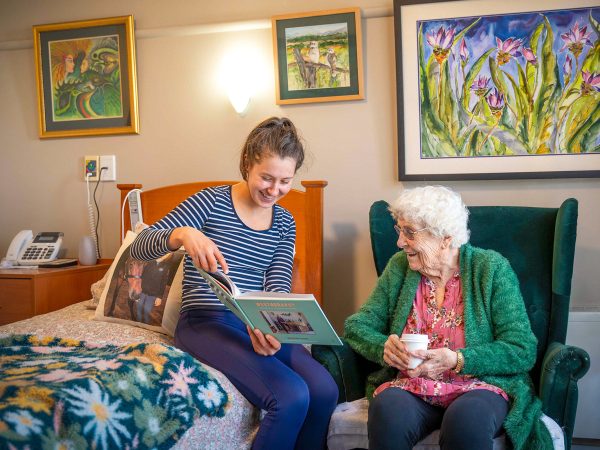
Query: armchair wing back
x=540, y=245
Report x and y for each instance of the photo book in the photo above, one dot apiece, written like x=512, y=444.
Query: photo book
x=290, y=318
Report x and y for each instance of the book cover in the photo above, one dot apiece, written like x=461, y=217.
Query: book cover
x=290, y=318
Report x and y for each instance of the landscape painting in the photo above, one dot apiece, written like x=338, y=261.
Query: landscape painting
x=318, y=56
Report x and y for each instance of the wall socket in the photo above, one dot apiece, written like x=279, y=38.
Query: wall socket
x=110, y=162
x=92, y=165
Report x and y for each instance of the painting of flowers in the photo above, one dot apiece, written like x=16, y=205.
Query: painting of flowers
x=526, y=83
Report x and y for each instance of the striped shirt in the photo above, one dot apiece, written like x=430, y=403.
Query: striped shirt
x=257, y=260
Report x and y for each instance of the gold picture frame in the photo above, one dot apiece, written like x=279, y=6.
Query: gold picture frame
x=86, y=78
x=318, y=56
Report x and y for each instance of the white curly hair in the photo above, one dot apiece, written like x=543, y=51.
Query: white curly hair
x=438, y=208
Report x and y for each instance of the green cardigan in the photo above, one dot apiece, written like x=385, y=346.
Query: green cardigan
x=500, y=346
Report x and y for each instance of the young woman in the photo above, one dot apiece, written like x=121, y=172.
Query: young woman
x=243, y=230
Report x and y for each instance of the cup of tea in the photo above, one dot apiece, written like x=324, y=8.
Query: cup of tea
x=415, y=342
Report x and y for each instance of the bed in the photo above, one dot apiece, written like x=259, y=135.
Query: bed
x=68, y=379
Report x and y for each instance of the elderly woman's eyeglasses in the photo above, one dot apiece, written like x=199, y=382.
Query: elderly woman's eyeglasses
x=408, y=233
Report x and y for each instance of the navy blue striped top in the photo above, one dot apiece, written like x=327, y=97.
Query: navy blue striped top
x=257, y=260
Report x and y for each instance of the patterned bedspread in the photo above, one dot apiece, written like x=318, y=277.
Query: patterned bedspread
x=234, y=431
x=64, y=393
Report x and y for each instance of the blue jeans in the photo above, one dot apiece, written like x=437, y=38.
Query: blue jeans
x=298, y=394
x=144, y=307
x=399, y=420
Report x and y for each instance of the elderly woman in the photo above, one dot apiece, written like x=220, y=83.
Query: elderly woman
x=473, y=380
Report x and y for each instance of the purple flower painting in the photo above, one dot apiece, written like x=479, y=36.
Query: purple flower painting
x=525, y=83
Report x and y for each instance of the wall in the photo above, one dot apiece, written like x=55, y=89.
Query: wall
x=190, y=132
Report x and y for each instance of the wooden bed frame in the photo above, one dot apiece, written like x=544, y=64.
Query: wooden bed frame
x=306, y=207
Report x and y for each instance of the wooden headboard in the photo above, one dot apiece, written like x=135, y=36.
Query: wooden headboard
x=306, y=207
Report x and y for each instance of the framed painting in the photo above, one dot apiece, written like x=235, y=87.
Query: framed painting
x=497, y=90
x=318, y=56
x=86, y=77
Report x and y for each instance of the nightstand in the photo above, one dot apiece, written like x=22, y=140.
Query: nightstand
x=28, y=292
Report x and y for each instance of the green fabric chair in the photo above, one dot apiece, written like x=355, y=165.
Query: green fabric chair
x=540, y=245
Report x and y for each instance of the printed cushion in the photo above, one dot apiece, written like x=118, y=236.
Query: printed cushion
x=146, y=294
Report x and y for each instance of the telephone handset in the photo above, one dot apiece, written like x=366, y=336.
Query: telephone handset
x=27, y=250
x=18, y=244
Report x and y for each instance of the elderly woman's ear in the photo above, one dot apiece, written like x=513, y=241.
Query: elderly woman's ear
x=447, y=241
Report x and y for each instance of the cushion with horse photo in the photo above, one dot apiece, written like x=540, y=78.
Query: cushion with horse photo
x=146, y=294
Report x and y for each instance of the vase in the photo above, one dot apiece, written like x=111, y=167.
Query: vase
x=87, y=251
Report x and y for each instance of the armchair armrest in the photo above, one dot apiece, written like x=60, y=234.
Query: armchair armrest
x=562, y=367
x=348, y=369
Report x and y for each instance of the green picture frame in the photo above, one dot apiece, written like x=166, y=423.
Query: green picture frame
x=318, y=56
x=86, y=78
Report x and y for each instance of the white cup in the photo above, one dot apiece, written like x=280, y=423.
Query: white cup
x=415, y=342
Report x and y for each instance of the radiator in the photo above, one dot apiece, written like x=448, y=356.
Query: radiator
x=584, y=332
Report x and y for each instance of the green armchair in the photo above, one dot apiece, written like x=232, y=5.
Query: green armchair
x=540, y=245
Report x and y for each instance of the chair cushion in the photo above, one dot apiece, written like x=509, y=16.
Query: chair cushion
x=348, y=430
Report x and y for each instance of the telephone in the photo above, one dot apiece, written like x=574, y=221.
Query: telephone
x=27, y=250
x=135, y=208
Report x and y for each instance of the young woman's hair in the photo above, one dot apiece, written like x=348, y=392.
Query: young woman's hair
x=275, y=136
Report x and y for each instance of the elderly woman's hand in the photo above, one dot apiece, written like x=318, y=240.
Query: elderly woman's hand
x=435, y=362
x=395, y=353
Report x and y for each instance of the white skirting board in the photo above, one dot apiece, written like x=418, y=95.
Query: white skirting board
x=584, y=332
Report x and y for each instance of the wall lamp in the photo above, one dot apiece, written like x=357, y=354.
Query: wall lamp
x=239, y=96
x=240, y=75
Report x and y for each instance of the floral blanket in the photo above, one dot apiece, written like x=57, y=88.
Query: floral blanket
x=60, y=393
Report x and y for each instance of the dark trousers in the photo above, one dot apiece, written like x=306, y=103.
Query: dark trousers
x=297, y=393
x=399, y=420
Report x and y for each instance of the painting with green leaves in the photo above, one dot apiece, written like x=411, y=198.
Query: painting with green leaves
x=509, y=85
x=86, y=80
x=86, y=77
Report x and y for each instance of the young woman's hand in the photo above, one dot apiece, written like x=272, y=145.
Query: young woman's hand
x=203, y=251
x=395, y=353
x=263, y=344
x=435, y=362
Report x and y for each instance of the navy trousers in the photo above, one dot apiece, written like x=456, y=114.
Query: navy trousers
x=399, y=420
x=298, y=394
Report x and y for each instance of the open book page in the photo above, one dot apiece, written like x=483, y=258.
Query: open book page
x=225, y=282
x=223, y=287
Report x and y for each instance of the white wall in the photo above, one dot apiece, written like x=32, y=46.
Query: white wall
x=190, y=132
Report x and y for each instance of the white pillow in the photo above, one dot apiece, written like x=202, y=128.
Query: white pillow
x=145, y=294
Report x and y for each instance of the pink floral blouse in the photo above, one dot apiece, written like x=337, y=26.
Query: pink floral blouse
x=445, y=328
